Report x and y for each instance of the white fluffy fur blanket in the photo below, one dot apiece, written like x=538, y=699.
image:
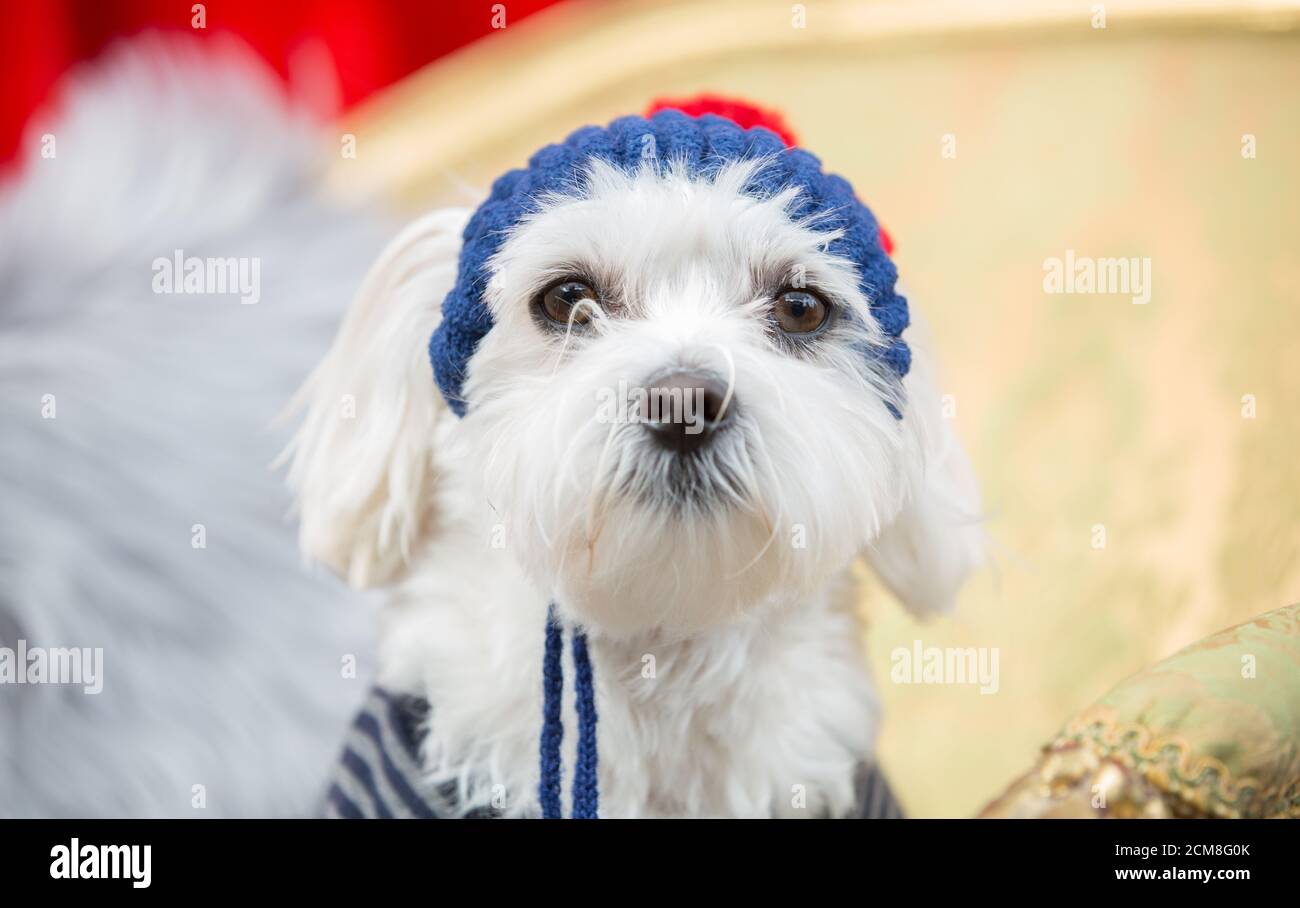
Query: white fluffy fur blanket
x=223, y=680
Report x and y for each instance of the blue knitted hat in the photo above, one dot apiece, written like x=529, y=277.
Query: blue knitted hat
x=704, y=143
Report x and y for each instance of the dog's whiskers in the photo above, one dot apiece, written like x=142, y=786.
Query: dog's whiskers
x=731, y=378
x=773, y=526
x=596, y=499
x=566, y=460
x=596, y=314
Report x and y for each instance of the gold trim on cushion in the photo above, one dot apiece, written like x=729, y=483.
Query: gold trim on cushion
x=1204, y=783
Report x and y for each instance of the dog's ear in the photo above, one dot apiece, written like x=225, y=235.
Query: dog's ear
x=926, y=553
x=362, y=461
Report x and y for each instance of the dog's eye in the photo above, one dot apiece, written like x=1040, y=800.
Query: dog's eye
x=561, y=302
x=799, y=311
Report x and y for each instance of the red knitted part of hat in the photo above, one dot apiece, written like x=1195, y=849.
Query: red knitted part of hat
x=744, y=114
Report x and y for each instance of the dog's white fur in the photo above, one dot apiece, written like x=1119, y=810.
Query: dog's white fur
x=730, y=677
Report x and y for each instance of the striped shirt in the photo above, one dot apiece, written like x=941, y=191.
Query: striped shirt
x=379, y=777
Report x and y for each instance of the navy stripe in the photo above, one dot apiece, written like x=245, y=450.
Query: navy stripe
x=403, y=718
x=344, y=805
x=361, y=772
x=876, y=801
x=412, y=799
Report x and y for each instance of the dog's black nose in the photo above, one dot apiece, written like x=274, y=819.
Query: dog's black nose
x=685, y=409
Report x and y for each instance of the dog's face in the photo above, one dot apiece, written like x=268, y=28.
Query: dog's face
x=678, y=412
x=677, y=415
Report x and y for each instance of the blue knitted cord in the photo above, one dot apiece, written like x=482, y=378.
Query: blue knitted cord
x=586, y=792
x=703, y=144
x=548, y=791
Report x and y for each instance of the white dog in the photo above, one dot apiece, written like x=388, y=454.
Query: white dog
x=673, y=434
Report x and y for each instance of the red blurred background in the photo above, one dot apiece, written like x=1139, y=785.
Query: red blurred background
x=368, y=43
